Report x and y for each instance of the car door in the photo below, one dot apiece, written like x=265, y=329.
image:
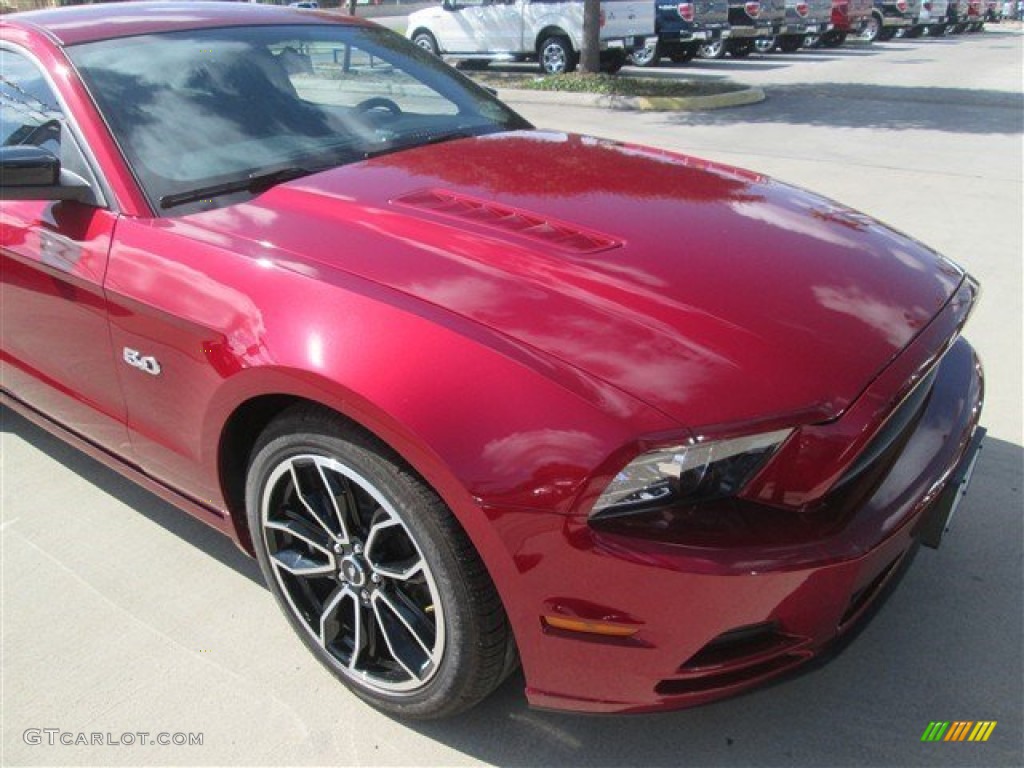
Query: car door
x=503, y=20
x=55, y=348
x=462, y=28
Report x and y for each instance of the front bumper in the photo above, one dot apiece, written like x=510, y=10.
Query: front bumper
x=714, y=622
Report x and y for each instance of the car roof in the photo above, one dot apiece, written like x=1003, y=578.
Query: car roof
x=86, y=23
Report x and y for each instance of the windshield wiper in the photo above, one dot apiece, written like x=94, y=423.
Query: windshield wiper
x=436, y=138
x=254, y=182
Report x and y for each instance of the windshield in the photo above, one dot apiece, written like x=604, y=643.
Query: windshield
x=212, y=116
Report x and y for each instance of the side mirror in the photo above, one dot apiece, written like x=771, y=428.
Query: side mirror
x=28, y=172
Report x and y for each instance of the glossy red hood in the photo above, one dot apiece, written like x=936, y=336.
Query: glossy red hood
x=718, y=296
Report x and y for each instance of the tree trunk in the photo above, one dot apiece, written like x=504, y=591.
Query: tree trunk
x=590, y=56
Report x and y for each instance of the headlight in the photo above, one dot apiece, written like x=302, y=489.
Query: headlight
x=686, y=474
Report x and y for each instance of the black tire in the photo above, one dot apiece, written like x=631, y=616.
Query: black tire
x=555, y=56
x=426, y=41
x=885, y=34
x=715, y=49
x=913, y=33
x=648, y=56
x=812, y=41
x=740, y=49
x=937, y=30
x=959, y=29
x=833, y=38
x=765, y=44
x=790, y=43
x=364, y=558
x=872, y=28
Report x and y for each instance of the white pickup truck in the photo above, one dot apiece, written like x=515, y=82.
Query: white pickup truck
x=548, y=31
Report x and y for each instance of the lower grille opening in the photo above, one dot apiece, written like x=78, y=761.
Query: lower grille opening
x=732, y=678
x=863, y=596
x=737, y=645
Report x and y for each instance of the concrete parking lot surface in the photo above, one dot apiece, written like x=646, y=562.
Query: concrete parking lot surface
x=122, y=615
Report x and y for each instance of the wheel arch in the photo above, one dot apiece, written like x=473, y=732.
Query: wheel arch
x=553, y=30
x=245, y=412
x=246, y=418
x=421, y=30
x=240, y=432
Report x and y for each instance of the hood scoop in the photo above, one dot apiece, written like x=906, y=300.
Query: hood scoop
x=568, y=238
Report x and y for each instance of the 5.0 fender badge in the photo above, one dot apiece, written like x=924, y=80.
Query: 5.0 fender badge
x=146, y=363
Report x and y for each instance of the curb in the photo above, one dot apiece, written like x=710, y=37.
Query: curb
x=636, y=103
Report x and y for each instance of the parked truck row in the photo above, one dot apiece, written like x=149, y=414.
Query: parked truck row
x=644, y=33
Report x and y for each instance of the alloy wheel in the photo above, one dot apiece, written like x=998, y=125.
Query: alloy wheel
x=645, y=57
x=553, y=58
x=872, y=29
x=426, y=41
x=353, y=575
x=712, y=50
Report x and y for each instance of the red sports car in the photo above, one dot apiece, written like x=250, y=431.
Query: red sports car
x=474, y=394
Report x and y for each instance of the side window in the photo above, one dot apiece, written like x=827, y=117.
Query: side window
x=28, y=108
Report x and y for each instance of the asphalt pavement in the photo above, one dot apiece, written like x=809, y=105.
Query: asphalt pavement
x=122, y=615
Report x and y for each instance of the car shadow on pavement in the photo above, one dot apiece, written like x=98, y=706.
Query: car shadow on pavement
x=854, y=105
x=848, y=52
x=803, y=57
x=945, y=645
x=150, y=506
x=725, y=66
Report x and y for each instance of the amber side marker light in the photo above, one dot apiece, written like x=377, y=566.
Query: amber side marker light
x=589, y=627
